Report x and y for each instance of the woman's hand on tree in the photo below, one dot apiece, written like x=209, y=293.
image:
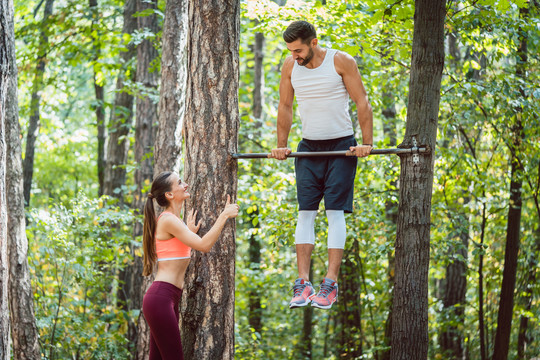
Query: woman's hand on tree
x=191, y=219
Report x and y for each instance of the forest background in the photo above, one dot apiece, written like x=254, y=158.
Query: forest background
x=78, y=87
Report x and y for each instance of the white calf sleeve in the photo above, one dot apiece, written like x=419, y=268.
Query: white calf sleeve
x=305, y=227
x=337, y=231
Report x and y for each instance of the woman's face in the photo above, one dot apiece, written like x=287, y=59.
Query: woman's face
x=178, y=188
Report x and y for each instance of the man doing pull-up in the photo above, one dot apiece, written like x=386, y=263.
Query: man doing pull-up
x=322, y=81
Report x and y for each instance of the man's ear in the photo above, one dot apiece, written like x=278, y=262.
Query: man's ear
x=314, y=42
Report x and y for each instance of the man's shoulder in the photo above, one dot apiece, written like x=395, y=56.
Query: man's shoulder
x=343, y=57
x=344, y=62
x=288, y=65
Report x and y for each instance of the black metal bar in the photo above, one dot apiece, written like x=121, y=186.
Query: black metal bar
x=331, y=153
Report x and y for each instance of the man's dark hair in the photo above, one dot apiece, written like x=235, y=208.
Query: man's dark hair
x=300, y=30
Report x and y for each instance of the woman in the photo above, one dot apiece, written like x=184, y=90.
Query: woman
x=169, y=240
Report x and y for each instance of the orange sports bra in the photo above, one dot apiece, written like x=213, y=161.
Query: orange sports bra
x=171, y=249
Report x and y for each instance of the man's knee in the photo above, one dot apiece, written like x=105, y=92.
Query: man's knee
x=337, y=230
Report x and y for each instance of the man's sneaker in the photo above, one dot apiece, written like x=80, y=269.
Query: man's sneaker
x=303, y=291
x=327, y=295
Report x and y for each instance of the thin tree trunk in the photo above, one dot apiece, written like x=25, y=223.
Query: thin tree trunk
x=37, y=87
x=532, y=262
x=255, y=311
x=454, y=291
x=211, y=132
x=7, y=70
x=523, y=338
x=410, y=312
x=481, y=317
x=100, y=97
x=305, y=345
x=131, y=277
x=506, y=304
x=171, y=109
x=350, y=307
x=390, y=133
x=24, y=331
x=258, y=77
x=121, y=116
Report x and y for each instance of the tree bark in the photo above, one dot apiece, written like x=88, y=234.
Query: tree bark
x=390, y=133
x=523, y=338
x=172, y=97
x=410, y=312
x=7, y=74
x=454, y=291
x=100, y=97
x=171, y=110
x=121, y=116
x=37, y=87
x=4, y=270
x=255, y=311
x=24, y=332
x=211, y=132
x=131, y=277
x=506, y=304
x=350, y=306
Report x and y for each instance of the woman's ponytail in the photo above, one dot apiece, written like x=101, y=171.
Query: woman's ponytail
x=149, y=237
x=160, y=186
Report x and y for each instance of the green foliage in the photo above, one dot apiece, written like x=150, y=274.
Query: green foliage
x=75, y=255
x=78, y=242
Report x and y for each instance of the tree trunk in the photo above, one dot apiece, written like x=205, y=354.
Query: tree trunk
x=121, y=116
x=305, y=346
x=131, y=277
x=254, y=251
x=258, y=76
x=211, y=132
x=255, y=311
x=24, y=332
x=390, y=133
x=8, y=69
x=350, y=306
x=481, y=317
x=527, y=300
x=4, y=271
x=506, y=304
x=100, y=97
x=37, y=87
x=172, y=97
x=410, y=312
x=168, y=141
x=454, y=291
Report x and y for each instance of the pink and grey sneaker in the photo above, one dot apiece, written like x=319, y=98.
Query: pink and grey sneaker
x=303, y=291
x=327, y=295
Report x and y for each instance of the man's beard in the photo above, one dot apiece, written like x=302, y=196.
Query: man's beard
x=307, y=59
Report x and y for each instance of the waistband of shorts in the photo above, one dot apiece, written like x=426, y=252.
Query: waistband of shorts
x=329, y=141
x=165, y=289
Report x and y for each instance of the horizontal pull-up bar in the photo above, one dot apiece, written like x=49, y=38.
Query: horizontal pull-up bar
x=414, y=150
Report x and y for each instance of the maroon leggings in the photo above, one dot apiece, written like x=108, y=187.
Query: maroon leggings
x=160, y=309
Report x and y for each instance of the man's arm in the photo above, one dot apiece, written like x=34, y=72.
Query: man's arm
x=285, y=110
x=347, y=68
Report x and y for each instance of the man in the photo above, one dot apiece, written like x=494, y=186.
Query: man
x=322, y=80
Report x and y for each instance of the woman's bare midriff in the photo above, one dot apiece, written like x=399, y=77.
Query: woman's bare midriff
x=172, y=272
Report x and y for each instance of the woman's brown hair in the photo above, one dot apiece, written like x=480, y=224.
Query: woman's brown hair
x=160, y=186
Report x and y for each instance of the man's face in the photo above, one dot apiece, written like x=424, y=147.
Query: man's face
x=301, y=52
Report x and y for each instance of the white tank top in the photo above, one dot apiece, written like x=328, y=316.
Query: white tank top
x=323, y=100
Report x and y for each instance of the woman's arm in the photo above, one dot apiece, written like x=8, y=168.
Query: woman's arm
x=176, y=227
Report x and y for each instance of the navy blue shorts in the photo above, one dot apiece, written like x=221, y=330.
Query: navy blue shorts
x=330, y=177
